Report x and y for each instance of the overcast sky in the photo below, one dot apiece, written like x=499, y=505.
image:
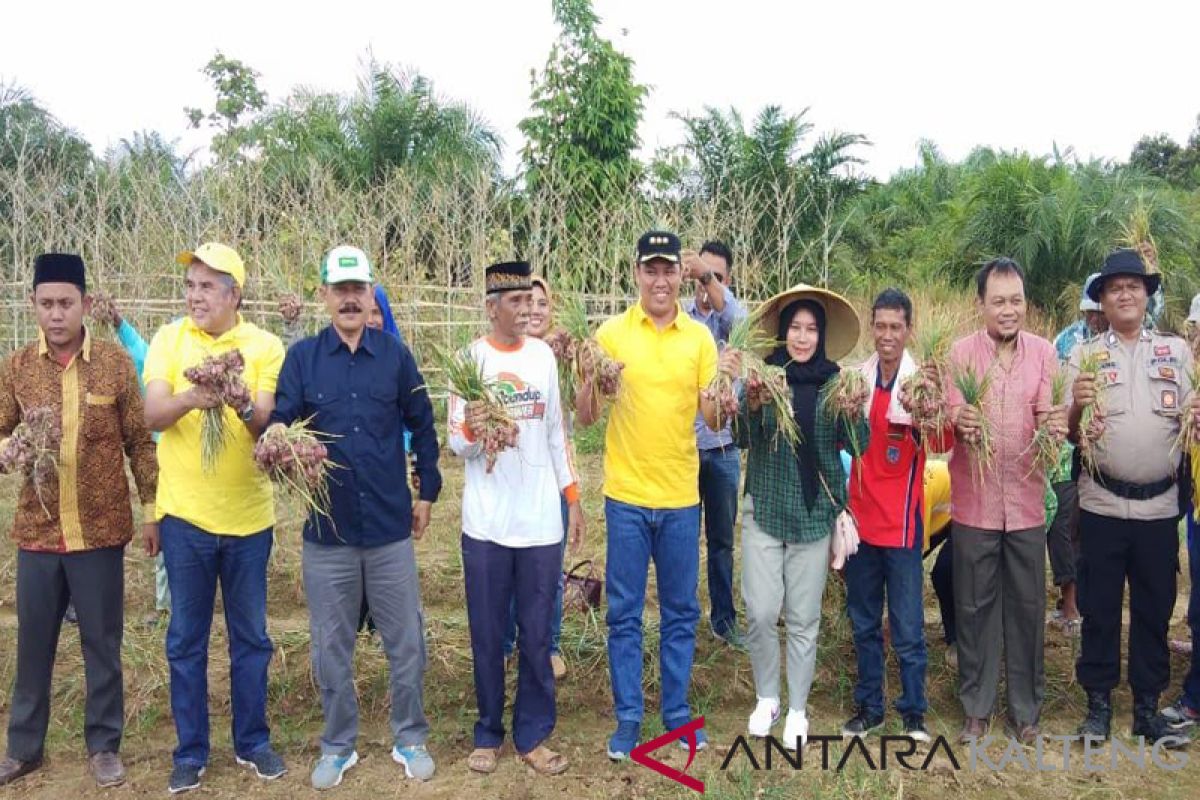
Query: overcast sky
x=1094, y=76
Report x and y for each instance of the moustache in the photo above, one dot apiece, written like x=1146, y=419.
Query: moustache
x=350, y=307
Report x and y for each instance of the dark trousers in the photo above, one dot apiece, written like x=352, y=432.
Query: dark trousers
x=510, y=631
x=1146, y=553
x=869, y=574
x=46, y=582
x=942, y=577
x=493, y=575
x=720, y=473
x=1000, y=597
x=1061, y=536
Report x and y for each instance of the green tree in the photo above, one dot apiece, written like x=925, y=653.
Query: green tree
x=395, y=121
x=399, y=121
x=44, y=167
x=149, y=150
x=1155, y=155
x=138, y=173
x=1056, y=216
x=788, y=198
x=238, y=102
x=32, y=139
x=1163, y=157
x=587, y=106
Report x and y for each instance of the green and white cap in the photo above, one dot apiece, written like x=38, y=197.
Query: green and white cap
x=345, y=263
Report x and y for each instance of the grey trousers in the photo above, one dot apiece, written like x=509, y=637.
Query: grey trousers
x=95, y=580
x=335, y=579
x=1000, y=605
x=782, y=576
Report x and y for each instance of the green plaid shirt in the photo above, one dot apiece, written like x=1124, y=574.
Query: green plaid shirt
x=773, y=476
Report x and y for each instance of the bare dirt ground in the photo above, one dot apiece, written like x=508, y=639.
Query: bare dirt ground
x=722, y=691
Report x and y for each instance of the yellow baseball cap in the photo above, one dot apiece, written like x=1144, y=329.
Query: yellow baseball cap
x=220, y=257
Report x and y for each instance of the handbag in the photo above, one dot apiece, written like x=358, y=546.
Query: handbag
x=582, y=591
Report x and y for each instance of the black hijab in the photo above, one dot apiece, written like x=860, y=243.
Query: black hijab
x=805, y=381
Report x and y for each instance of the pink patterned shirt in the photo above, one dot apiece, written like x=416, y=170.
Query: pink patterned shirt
x=1010, y=495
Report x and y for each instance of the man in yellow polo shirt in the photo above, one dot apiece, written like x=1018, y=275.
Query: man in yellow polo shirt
x=216, y=524
x=651, y=480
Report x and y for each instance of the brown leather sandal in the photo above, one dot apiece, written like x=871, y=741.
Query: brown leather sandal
x=483, y=760
x=545, y=761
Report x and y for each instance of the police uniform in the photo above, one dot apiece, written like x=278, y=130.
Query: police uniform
x=1129, y=509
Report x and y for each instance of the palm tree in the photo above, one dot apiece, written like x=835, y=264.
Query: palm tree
x=397, y=120
x=788, y=199
x=32, y=138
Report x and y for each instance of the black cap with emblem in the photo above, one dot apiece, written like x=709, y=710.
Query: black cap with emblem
x=658, y=244
x=508, y=276
x=1123, y=262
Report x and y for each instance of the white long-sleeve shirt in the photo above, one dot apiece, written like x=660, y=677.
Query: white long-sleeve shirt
x=517, y=503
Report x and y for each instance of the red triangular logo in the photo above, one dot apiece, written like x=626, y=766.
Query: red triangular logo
x=641, y=754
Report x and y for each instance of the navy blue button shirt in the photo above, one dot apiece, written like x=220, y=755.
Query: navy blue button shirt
x=364, y=400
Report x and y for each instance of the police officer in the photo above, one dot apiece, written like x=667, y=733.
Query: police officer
x=1128, y=496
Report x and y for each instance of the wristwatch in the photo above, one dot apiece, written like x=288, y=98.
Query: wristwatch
x=247, y=413
x=706, y=277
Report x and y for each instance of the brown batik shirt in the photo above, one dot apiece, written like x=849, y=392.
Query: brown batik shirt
x=96, y=397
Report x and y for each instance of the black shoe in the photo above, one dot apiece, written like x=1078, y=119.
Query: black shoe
x=862, y=723
x=1154, y=727
x=266, y=763
x=12, y=770
x=1098, y=722
x=914, y=728
x=184, y=778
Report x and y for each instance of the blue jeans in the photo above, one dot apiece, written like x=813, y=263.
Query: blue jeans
x=196, y=561
x=671, y=538
x=868, y=574
x=1191, y=684
x=510, y=627
x=720, y=473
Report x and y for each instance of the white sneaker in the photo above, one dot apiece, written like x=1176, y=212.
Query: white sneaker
x=765, y=715
x=796, y=727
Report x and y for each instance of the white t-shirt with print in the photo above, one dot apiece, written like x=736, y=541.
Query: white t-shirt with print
x=517, y=504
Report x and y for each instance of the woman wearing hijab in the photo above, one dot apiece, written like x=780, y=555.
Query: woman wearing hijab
x=793, y=498
x=380, y=316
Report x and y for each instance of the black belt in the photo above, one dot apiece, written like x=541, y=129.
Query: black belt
x=1134, y=491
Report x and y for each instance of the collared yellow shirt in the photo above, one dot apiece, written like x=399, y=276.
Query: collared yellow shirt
x=650, y=457
x=236, y=498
